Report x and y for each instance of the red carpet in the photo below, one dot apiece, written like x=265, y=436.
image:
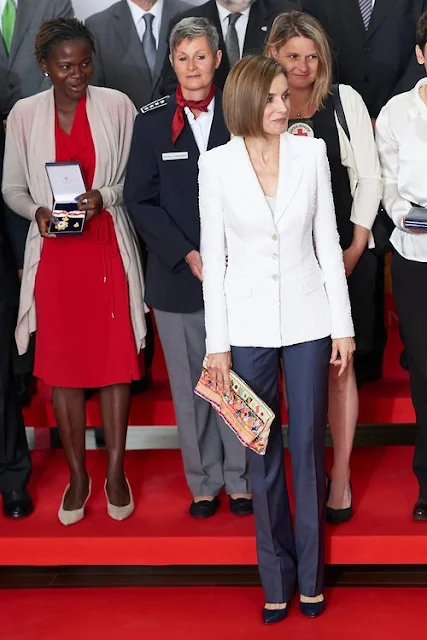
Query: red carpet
x=384, y=402
x=206, y=614
x=162, y=533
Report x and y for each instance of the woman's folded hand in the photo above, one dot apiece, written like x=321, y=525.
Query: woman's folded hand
x=342, y=351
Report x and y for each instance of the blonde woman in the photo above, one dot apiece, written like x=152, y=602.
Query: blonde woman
x=338, y=115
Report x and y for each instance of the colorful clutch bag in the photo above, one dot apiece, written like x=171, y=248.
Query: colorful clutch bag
x=246, y=414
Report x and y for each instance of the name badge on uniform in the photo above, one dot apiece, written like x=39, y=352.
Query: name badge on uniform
x=175, y=155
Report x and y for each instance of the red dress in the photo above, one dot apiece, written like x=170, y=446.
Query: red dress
x=84, y=332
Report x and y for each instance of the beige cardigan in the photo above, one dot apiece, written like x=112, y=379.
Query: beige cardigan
x=360, y=157
x=30, y=143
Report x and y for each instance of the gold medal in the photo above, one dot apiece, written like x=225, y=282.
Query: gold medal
x=61, y=225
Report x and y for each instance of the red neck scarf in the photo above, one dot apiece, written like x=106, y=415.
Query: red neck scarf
x=181, y=102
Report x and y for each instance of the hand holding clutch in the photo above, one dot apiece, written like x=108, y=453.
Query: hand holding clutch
x=241, y=409
x=219, y=365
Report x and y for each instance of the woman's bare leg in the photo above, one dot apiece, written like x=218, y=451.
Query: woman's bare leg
x=70, y=413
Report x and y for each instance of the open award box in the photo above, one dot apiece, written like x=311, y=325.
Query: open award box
x=67, y=184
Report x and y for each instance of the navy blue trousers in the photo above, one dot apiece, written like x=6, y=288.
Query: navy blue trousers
x=287, y=559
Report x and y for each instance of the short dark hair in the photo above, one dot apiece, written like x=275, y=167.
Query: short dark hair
x=246, y=93
x=421, y=31
x=54, y=32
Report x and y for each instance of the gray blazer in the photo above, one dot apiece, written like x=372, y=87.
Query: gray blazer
x=120, y=61
x=20, y=75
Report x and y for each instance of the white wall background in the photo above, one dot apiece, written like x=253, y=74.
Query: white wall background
x=86, y=8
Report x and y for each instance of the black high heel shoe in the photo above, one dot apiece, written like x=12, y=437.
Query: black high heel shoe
x=271, y=616
x=337, y=516
x=312, y=609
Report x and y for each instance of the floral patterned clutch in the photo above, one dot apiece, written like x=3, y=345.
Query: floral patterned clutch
x=246, y=414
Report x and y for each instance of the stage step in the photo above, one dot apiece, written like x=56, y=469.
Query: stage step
x=162, y=533
x=387, y=401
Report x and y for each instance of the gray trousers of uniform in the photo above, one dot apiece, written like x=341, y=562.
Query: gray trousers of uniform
x=212, y=455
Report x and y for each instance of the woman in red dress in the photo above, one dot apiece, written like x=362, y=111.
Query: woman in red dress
x=87, y=288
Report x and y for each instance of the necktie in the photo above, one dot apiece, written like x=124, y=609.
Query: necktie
x=148, y=41
x=231, y=39
x=8, y=20
x=181, y=102
x=366, y=8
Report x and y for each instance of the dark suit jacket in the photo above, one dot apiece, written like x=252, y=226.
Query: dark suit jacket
x=379, y=62
x=162, y=200
x=20, y=75
x=261, y=17
x=120, y=61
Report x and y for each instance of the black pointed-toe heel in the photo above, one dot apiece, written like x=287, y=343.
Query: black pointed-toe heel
x=271, y=616
x=420, y=511
x=312, y=609
x=339, y=516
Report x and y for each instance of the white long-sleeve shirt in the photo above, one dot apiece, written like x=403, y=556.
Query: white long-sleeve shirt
x=401, y=134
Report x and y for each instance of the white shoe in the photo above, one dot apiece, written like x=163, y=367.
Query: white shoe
x=72, y=517
x=120, y=513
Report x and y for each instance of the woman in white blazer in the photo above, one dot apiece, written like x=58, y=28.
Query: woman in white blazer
x=267, y=213
x=338, y=115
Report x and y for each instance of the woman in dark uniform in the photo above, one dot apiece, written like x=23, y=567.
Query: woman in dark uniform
x=337, y=114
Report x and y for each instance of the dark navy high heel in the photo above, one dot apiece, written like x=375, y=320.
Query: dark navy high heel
x=270, y=616
x=312, y=609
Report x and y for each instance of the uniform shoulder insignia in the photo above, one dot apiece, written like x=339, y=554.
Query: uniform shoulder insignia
x=156, y=104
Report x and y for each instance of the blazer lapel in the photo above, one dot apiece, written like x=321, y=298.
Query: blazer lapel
x=24, y=15
x=4, y=58
x=351, y=14
x=219, y=133
x=246, y=184
x=290, y=174
x=381, y=9
x=163, y=48
x=256, y=32
x=128, y=36
x=211, y=13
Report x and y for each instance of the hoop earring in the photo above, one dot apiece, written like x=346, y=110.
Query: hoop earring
x=46, y=74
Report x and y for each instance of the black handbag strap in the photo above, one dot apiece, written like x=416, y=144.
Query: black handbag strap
x=339, y=110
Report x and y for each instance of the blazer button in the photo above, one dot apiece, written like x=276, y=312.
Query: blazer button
x=275, y=277
x=274, y=237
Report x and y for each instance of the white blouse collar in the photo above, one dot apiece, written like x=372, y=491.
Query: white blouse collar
x=418, y=107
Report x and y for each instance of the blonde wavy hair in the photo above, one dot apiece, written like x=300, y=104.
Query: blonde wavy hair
x=296, y=24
